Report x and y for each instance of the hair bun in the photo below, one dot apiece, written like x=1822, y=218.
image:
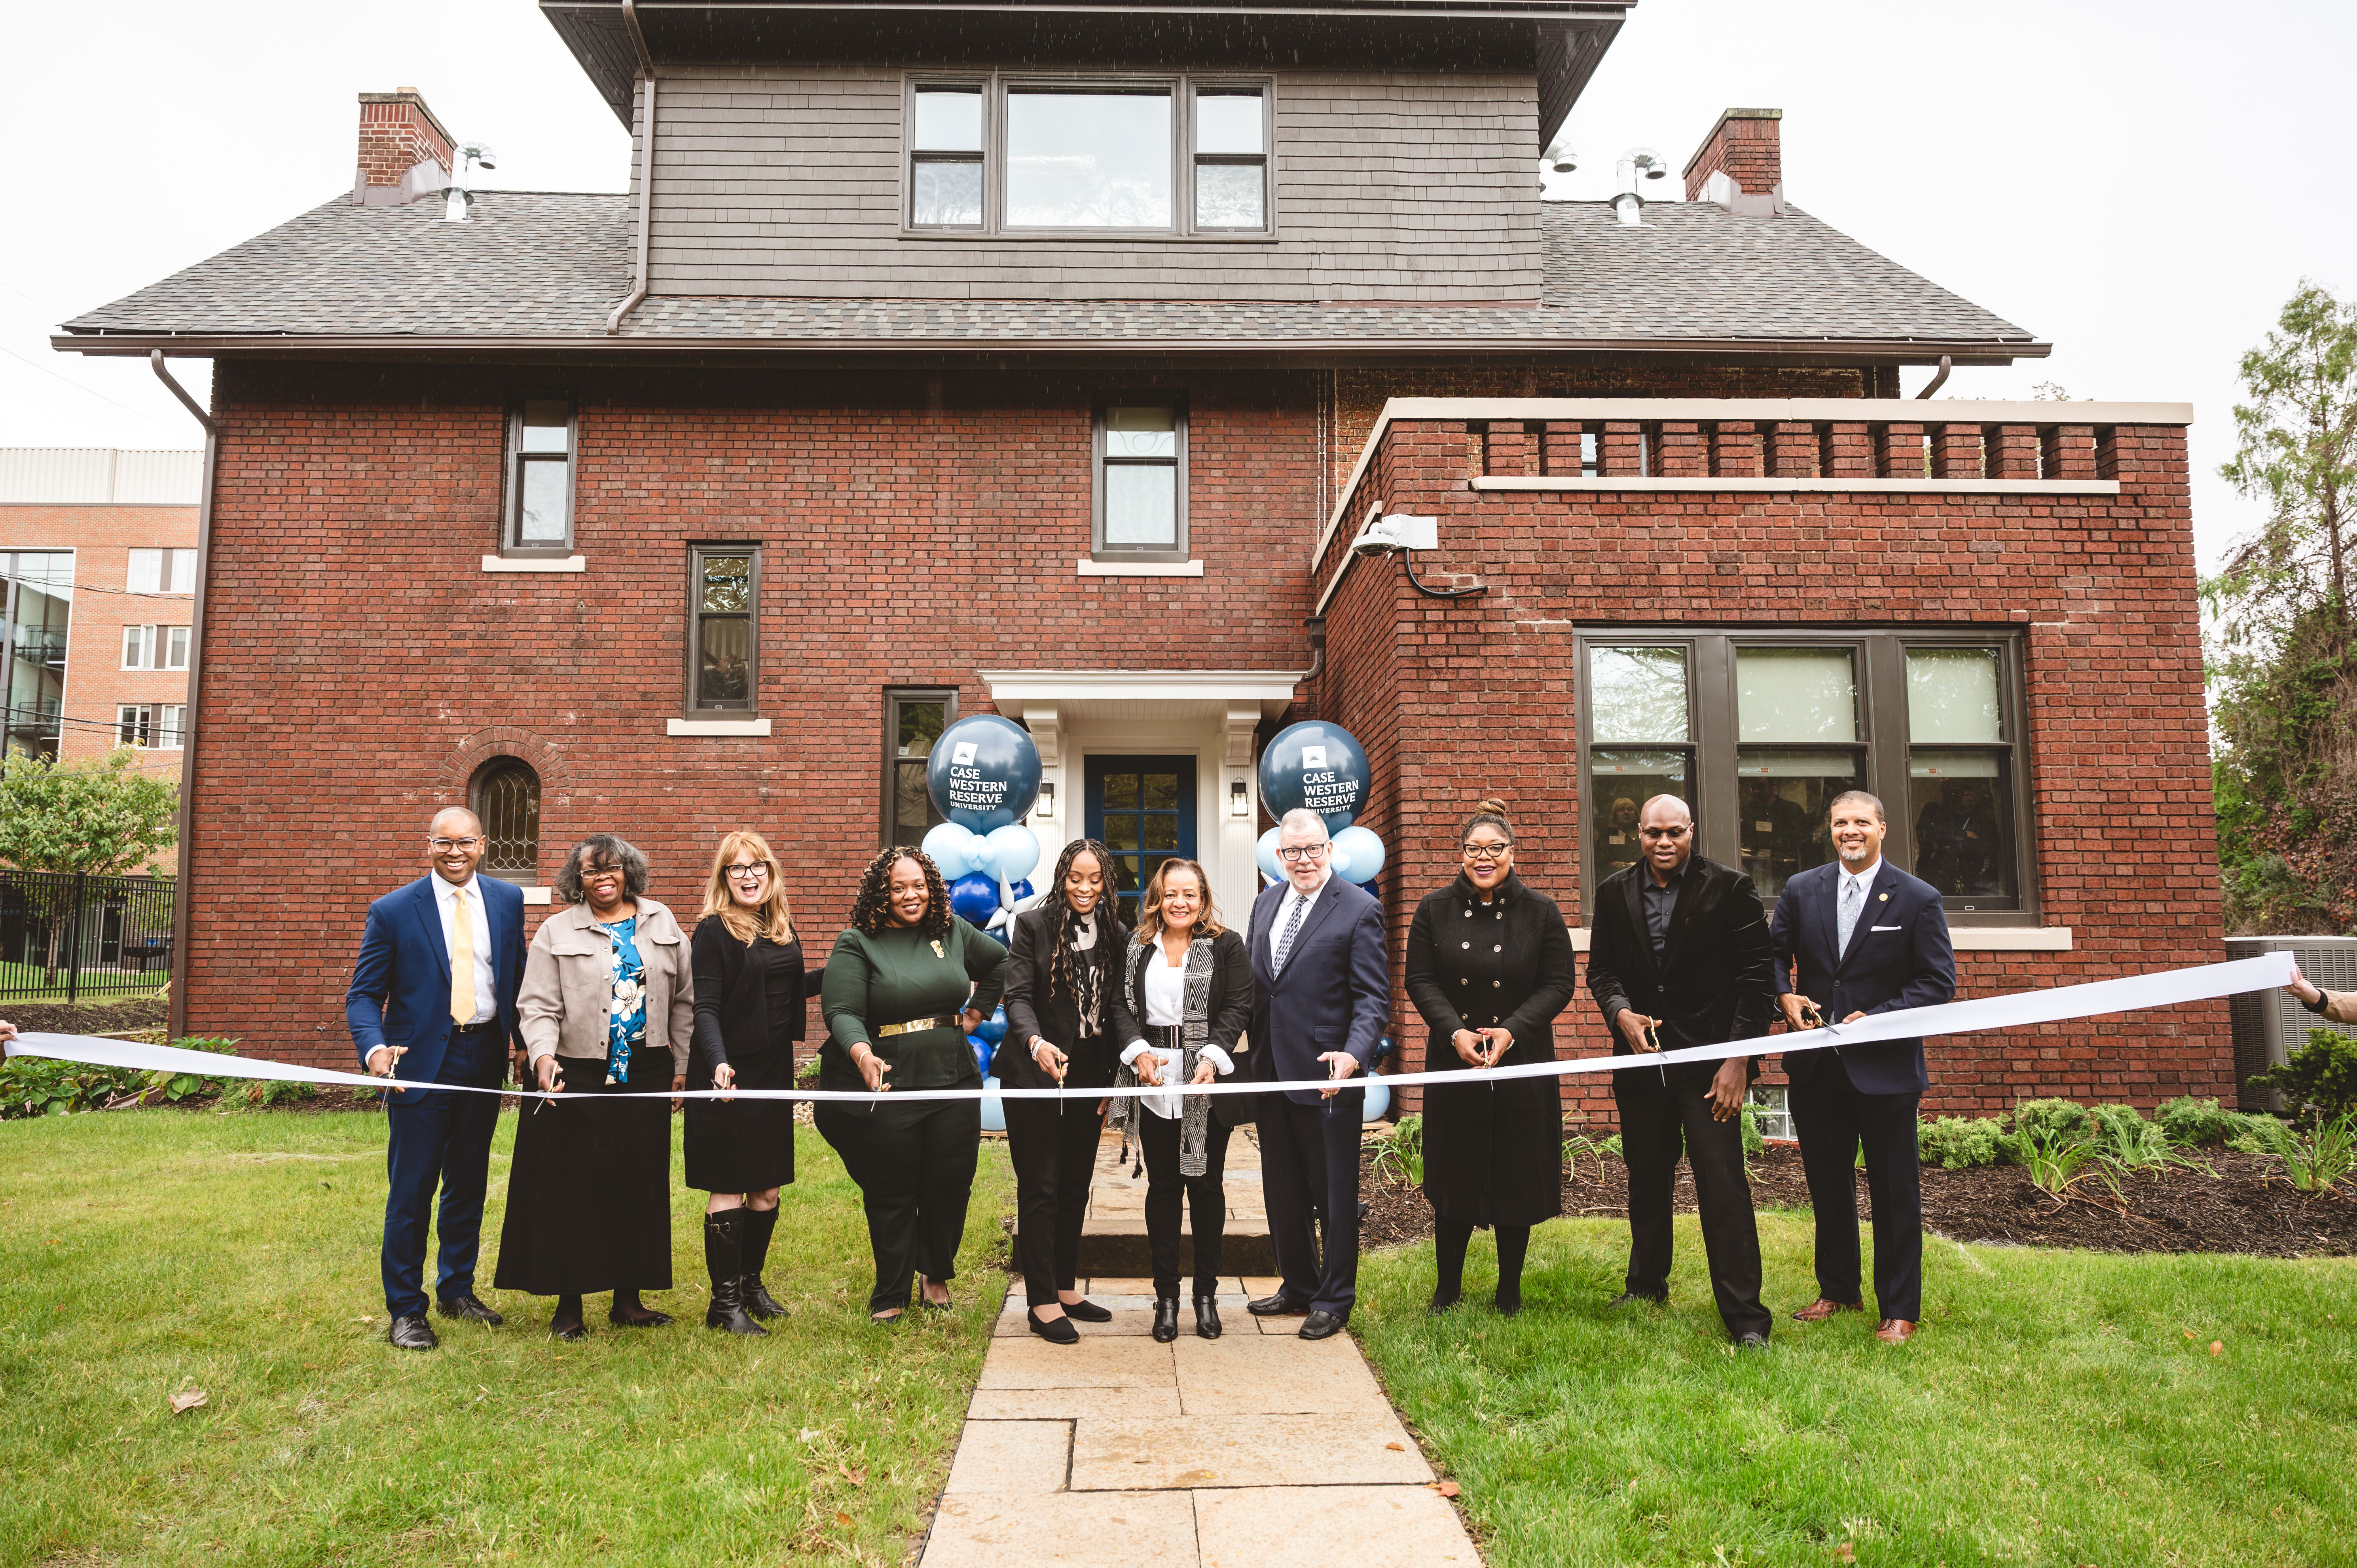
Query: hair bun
x=1491, y=807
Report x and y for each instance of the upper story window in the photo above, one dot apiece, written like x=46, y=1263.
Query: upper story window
x=157, y=726
x=539, y=510
x=1141, y=477
x=724, y=595
x=161, y=571
x=1025, y=156
x=154, y=648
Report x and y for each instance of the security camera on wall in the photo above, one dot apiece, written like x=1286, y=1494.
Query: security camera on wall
x=1397, y=531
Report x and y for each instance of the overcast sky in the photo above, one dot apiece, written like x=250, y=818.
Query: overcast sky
x=2141, y=183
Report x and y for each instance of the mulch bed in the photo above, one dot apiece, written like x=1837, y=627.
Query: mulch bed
x=2250, y=1207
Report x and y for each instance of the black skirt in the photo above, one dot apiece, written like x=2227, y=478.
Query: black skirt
x=589, y=1188
x=748, y=1146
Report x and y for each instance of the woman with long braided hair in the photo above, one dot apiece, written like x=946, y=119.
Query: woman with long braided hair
x=904, y=987
x=1064, y=1003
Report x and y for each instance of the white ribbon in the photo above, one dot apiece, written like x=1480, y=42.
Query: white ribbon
x=1986, y=1015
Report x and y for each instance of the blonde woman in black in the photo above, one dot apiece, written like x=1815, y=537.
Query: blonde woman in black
x=1065, y=1020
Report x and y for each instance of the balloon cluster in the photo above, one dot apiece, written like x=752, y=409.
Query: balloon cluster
x=984, y=775
x=1318, y=767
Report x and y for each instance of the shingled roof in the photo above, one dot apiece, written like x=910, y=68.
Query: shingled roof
x=548, y=268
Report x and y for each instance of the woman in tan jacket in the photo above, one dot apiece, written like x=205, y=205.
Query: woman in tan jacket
x=608, y=1008
x=2340, y=1006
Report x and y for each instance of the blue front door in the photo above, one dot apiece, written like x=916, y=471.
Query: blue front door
x=1143, y=809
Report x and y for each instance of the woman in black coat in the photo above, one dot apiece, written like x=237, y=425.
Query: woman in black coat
x=1489, y=966
x=750, y=988
x=1189, y=985
x=1066, y=1019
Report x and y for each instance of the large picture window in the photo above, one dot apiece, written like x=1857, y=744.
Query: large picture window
x=539, y=507
x=724, y=625
x=1759, y=731
x=1141, y=477
x=913, y=720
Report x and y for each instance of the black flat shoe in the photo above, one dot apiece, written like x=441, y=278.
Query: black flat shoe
x=1166, y=1318
x=1277, y=1305
x=648, y=1319
x=1442, y=1301
x=468, y=1307
x=1321, y=1326
x=410, y=1331
x=1054, y=1330
x=1086, y=1312
x=1631, y=1298
x=570, y=1333
x=1751, y=1342
x=1207, y=1318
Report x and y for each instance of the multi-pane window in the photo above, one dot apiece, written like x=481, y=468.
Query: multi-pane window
x=1141, y=489
x=1163, y=155
x=912, y=722
x=154, y=648
x=157, y=726
x=36, y=613
x=540, y=479
x=506, y=802
x=724, y=584
x=161, y=571
x=1759, y=732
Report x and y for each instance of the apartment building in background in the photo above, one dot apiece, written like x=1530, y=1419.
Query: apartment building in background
x=98, y=567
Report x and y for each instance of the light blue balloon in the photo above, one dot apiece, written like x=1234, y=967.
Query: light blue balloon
x=993, y=1110
x=1264, y=852
x=1014, y=850
x=1358, y=854
x=951, y=847
x=1379, y=1097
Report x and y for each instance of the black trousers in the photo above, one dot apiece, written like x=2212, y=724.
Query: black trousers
x=1833, y=1121
x=441, y=1140
x=1656, y=1121
x=1206, y=1195
x=1309, y=1178
x=914, y=1163
x=1053, y=1146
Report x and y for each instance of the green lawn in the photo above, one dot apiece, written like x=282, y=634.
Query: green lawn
x=147, y=1252
x=2058, y=1408
x=29, y=982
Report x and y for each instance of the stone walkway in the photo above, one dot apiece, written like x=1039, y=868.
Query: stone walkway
x=1252, y=1448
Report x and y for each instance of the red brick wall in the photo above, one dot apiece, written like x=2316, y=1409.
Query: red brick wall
x=1460, y=700
x=398, y=132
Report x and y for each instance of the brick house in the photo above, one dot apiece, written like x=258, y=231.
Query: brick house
x=1049, y=363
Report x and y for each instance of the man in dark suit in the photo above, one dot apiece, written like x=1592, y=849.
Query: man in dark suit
x=1680, y=949
x=433, y=994
x=1866, y=938
x=1322, y=994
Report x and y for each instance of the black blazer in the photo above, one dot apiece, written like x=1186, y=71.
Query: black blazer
x=1031, y=1010
x=1230, y=1016
x=731, y=1016
x=1899, y=956
x=1712, y=982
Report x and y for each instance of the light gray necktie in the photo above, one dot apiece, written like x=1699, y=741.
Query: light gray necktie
x=1284, y=936
x=1853, y=900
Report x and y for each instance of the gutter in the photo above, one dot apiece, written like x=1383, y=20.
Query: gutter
x=177, y=1025
x=646, y=165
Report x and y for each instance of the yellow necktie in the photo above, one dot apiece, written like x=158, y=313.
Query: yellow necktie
x=462, y=962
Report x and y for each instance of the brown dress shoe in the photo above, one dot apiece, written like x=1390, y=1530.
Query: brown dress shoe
x=1894, y=1331
x=1822, y=1308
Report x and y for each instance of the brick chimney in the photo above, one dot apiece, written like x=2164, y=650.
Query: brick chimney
x=404, y=151
x=1740, y=165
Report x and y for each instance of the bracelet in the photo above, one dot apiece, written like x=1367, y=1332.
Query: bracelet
x=2324, y=1000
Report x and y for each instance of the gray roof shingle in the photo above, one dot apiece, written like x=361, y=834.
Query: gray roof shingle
x=535, y=264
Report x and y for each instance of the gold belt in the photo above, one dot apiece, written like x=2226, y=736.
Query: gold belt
x=885, y=1031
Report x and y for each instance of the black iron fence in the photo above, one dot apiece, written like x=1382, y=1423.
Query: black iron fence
x=67, y=936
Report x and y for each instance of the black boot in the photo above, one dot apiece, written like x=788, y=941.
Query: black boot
x=758, y=1224
x=1207, y=1318
x=723, y=1254
x=1166, y=1318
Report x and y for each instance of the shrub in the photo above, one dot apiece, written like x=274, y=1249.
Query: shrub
x=1754, y=1142
x=180, y=1085
x=44, y=1086
x=2259, y=1135
x=2321, y=1075
x=2189, y=1123
x=2059, y=1159
x=2048, y=1118
x=2321, y=1154
x=1399, y=1156
x=1959, y=1143
x=262, y=1091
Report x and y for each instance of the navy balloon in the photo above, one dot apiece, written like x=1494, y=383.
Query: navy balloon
x=994, y=1029
x=974, y=897
x=984, y=772
x=1317, y=766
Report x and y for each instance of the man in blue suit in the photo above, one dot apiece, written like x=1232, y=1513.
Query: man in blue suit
x=434, y=995
x=1867, y=937
x=1321, y=995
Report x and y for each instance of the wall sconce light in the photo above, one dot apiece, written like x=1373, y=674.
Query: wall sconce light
x=1239, y=798
x=1046, y=809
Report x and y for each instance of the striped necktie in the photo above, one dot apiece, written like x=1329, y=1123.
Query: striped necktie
x=1285, y=937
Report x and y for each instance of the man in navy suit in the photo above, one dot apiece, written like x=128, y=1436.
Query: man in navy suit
x=1867, y=937
x=1321, y=995
x=433, y=994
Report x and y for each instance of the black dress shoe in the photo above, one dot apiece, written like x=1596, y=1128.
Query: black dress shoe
x=1054, y=1330
x=469, y=1308
x=1632, y=1298
x=1321, y=1326
x=410, y=1331
x=1277, y=1305
x=1166, y=1318
x=1086, y=1312
x=1751, y=1341
x=1207, y=1318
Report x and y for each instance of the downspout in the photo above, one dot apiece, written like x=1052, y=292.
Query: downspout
x=1947, y=363
x=179, y=1021
x=646, y=163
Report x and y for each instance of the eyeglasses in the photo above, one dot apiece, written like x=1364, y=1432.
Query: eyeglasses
x=1487, y=851
x=753, y=873
x=589, y=871
x=1296, y=853
x=1676, y=833
x=440, y=844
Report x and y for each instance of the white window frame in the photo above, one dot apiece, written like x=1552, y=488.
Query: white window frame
x=151, y=727
x=158, y=570
x=153, y=647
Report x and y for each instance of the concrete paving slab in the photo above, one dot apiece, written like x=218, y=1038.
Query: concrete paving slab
x=1064, y=1404
x=1106, y=1530
x=1107, y=1361
x=1124, y=1454
x=1267, y=1376
x=1016, y=1456
x=1386, y=1527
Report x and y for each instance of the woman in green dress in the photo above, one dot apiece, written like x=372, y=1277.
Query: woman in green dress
x=904, y=987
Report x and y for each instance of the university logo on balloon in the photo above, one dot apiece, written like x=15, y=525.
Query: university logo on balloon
x=1318, y=767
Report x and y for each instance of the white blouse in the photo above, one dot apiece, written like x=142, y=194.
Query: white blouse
x=1165, y=993
x=1165, y=1008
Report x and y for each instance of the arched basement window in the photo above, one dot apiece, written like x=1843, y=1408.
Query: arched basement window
x=507, y=799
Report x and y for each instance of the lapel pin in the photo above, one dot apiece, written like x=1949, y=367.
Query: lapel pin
x=1886, y=897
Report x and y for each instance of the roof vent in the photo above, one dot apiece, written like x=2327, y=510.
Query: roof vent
x=1635, y=164
x=455, y=206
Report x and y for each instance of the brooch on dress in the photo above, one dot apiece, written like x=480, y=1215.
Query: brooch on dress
x=937, y=950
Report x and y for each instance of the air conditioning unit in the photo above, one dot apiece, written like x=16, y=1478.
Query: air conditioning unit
x=2271, y=1025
